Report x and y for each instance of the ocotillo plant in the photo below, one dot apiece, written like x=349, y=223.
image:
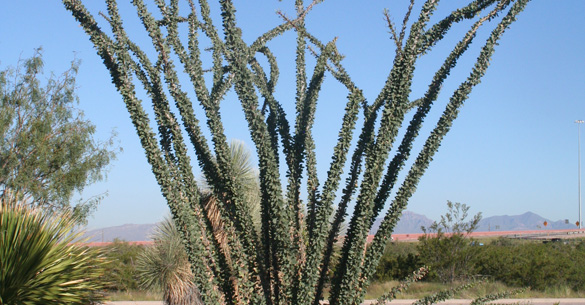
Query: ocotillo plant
x=274, y=266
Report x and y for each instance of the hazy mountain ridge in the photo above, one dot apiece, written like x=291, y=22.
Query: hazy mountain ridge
x=410, y=222
x=526, y=221
x=127, y=232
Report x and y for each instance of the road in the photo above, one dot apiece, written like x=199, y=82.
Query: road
x=449, y=302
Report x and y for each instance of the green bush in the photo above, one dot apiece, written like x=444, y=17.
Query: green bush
x=537, y=265
x=398, y=262
x=121, y=265
x=517, y=263
x=447, y=249
x=40, y=263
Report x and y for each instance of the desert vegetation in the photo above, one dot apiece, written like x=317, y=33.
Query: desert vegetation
x=287, y=261
x=271, y=239
x=503, y=264
x=497, y=266
x=42, y=260
x=47, y=154
x=453, y=257
x=48, y=151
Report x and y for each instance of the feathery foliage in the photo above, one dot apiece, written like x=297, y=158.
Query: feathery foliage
x=47, y=149
x=40, y=262
x=287, y=261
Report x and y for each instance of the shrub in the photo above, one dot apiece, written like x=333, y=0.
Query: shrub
x=537, y=265
x=447, y=249
x=398, y=261
x=121, y=265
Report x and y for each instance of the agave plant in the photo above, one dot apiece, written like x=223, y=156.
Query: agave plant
x=40, y=263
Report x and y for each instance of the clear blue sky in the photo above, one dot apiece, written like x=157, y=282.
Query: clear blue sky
x=513, y=149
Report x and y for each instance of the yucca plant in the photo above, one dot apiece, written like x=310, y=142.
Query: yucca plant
x=246, y=176
x=165, y=266
x=40, y=261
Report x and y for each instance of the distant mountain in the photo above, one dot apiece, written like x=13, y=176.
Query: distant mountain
x=127, y=232
x=526, y=221
x=409, y=222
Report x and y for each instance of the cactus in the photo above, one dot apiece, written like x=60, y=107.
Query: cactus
x=287, y=261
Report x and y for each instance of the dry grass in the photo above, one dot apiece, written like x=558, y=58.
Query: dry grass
x=421, y=289
x=134, y=295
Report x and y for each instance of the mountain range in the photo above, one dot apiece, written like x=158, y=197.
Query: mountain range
x=127, y=232
x=410, y=222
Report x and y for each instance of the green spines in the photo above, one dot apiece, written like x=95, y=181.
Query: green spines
x=433, y=142
x=317, y=239
x=287, y=261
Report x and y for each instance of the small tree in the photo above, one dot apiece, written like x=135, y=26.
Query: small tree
x=47, y=149
x=287, y=261
x=446, y=246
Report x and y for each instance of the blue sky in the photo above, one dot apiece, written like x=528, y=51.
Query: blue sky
x=513, y=148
